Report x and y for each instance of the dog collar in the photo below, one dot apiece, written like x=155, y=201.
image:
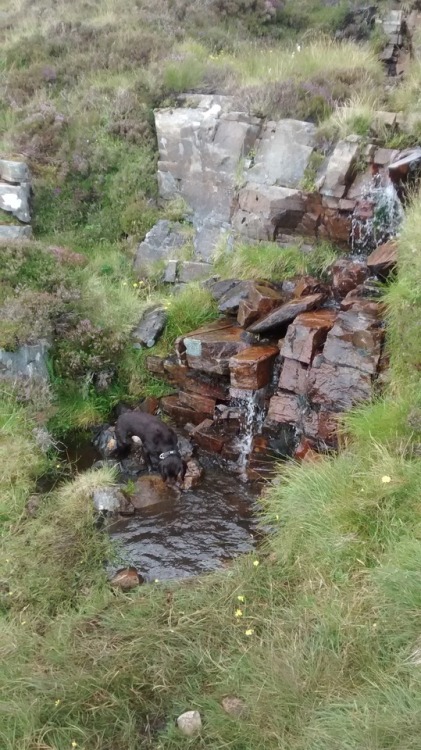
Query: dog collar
x=165, y=455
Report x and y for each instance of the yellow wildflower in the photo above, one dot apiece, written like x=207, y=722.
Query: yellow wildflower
x=135, y=285
x=57, y=702
x=74, y=744
x=241, y=598
x=386, y=479
x=256, y=563
x=238, y=613
x=249, y=631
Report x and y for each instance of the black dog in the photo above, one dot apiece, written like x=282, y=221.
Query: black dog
x=159, y=442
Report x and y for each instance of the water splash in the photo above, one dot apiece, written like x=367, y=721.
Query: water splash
x=378, y=215
x=251, y=405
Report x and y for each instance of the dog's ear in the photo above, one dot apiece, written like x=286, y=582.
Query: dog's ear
x=136, y=439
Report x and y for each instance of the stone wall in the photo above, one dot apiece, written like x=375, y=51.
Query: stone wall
x=15, y=195
x=289, y=357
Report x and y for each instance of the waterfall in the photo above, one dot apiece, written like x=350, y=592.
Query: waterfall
x=377, y=216
x=251, y=405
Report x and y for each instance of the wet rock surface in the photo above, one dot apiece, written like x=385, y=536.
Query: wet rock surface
x=287, y=312
x=150, y=490
x=252, y=368
x=126, y=579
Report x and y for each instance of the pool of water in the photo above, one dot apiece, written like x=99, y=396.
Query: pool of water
x=194, y=534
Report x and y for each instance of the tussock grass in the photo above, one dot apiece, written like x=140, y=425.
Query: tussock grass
x=315, y=58
x=269, y=260
x=356, y=116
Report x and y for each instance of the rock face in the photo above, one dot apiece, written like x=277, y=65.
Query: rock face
x=29, y=361
x=200, y=147
x=150, y=327
x=339, y=168
x=162, y=243
x=15, y=197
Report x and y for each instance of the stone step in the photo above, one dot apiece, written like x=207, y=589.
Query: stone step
x=210, y=348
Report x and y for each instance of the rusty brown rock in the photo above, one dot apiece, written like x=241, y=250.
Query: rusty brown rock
x=149, y=405
x=321, y=426
x=179, y=413
x=383, y=259
x=209, y=349
x=207, y=438
x=284, y=408
x=347, y=275
x=337, y=386
x=355, y=341
x=193, y=475
x=306, y=285
x=126, y=579
x=293, y=377
x=306, y=451
x=199, y=403
x=261, y=300
x=252, y=368
x=286, y=313
x=337, y=225
x=155, y=365
x=307, y=334
x=150, y=490
x=195, y=382
x=361, y=305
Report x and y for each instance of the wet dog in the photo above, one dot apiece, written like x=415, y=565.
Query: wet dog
x=159, y=442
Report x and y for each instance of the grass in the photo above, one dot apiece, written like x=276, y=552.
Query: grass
x=324, y=652
x=356, y=116
x=269, y=260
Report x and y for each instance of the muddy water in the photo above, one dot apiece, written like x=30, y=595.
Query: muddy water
x=192, y=535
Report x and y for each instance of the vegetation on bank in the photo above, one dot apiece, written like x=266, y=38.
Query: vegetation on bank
x=318, y=632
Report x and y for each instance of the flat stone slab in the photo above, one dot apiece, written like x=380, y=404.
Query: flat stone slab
x=252, y=368
x=15, y=232
x=265, y=210
x=307, y=334
x=283, y=153
x=14, y=171
x=15, y=200
x=286, y=313
x=210, y=349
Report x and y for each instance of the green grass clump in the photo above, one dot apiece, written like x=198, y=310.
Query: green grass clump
x=268, y=260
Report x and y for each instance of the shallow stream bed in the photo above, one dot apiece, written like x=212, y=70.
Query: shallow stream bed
x=192, y=535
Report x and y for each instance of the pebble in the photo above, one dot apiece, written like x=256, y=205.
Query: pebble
x=189, y=723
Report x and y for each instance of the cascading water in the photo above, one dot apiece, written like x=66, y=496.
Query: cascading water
x=251, y=405
x=377, y=216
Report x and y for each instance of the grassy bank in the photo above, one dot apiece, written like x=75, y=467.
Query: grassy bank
x=318, y=633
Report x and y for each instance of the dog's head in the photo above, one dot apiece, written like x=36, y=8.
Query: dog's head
x=172, y=469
